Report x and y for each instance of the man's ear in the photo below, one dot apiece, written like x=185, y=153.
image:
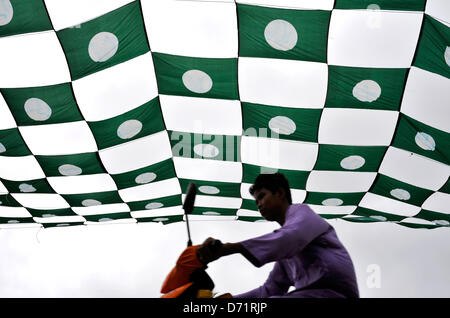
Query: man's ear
x=282, y=193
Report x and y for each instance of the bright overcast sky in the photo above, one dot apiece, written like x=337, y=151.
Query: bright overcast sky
x=132, y=260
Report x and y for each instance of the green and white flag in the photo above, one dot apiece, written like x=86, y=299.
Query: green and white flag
x=42, y=105
x=281, y=33
x=136, y=123
x=433, y=52
x=18, y=17
x=108, y=112
x=197, y=77
x=409, y=5
x=108, y=40
x=366, y=88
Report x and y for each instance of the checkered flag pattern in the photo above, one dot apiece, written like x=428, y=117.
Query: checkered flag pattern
x=108, y=109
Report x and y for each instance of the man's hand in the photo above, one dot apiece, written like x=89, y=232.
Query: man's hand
x=209, y=251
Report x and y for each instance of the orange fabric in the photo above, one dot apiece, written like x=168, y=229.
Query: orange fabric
x=176, y=292
x=187, y=262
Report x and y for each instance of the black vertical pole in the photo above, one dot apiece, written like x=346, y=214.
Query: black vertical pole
x=188, y=206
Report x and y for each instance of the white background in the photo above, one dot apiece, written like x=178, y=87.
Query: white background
x=132, y=260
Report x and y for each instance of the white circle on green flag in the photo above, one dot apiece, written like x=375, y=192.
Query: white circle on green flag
x=6, y=12
x=69, y=170
x=197, y=81
x=379, y=217
x=208, y=189
x=282, y=125
x=281, y=35
x=267, y=170
x=128, y=129
x=206, y=150
x=441, y=222
x=373, y=6
x=2, y=148
x=447, y=55
x=90, y=202
x=400, y=194
x=105, y=219
x=103, y=46
x=25, y=187
x=160, y=219
x=352, y=162
x=425, y=141
x=332, y=202
x=210, y=213
x=145, y=177
x=154, y=205
x=37, y=109
x=367, y=91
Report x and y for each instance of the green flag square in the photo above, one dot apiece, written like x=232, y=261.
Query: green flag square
x=366, y=88
x=18, y=220
x=360, y=219
x=107, y=217
x=19, y=16
x=12, y=144
x=248, y=204
x=204, y=146
x=404, y=5
x=164, y=202
x=446, y=187
x=414, y=136
x=136, y=123
x=216, y=188
x=281, y=122
x=213, y=211
x=71, y=165
x=250, y=218
x=334, y=199
x=8, y=200
x=433, y=50
x=157, y=172
x=196, y=77
x=166, y=219
x=377, y=215
x=42, y=105
x=401, y=191
x=51, y=213
x=332, y=216
x=60, y=224
x=110, y=39
x=28, y=186
x=92, y=199
x=440, y=219
x=283, y=33
x=349, y=158
x=297, y=179
x=418, y=225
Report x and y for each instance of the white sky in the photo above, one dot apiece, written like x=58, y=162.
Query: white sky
x=132, y=260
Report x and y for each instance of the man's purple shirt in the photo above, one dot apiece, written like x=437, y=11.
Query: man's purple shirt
x=308, y=256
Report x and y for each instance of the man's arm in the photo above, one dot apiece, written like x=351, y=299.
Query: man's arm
x=207, y=252
x=300, y=230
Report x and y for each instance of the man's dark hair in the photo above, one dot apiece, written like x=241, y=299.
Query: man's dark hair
x=272, y=182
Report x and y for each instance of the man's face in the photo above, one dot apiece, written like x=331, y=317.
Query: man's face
x=269, y=204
